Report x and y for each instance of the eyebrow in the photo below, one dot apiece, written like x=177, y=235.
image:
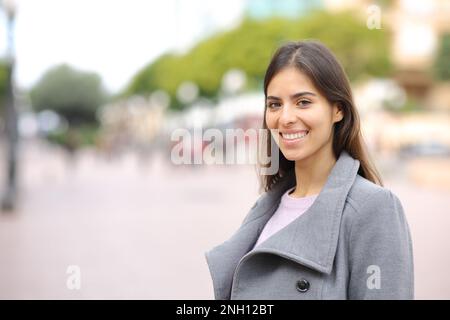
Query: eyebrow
x=295, y=95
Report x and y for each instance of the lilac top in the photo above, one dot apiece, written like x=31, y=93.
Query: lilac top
x=289, y=209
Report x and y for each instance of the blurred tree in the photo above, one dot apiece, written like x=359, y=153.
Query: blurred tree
x=442, y=62
x=73, y=94
x=363, y=52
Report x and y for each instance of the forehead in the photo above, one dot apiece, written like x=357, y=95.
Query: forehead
x=289, y=81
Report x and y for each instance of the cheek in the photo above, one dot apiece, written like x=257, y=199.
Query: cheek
x=320, y=125
x=270, y=120
x=319, y=118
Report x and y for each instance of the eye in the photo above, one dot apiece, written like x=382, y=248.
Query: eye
x=303, y=103
x=273, y=105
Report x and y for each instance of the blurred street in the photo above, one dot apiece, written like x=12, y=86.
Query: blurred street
x=138, y=227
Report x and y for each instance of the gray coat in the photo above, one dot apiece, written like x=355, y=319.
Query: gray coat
x=352, y=243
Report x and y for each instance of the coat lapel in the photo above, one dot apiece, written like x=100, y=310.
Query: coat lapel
x=223, y=259
x=310, y=240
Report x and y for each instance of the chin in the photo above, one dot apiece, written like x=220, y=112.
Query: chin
x=294, y=156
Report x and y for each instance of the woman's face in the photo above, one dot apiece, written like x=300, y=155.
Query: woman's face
x=299, y=117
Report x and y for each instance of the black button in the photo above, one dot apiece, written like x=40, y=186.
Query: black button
x=302, y=285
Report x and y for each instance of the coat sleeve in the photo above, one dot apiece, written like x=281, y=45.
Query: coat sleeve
x=381, y=253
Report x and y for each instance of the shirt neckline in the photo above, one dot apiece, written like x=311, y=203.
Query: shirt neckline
x=298, y=203
x=296, y=198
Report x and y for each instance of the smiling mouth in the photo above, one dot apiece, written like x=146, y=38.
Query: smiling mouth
x=294, y=136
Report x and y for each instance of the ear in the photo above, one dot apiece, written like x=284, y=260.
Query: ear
x=338, y=113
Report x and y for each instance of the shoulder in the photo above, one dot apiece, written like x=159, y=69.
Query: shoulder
x=374, y=218
x=378, y=242
x=368, y=201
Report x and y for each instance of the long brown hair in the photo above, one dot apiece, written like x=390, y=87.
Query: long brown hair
x=321, y=66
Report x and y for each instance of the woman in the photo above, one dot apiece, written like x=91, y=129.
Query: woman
x=325, y=227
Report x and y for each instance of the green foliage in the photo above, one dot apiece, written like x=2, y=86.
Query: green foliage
x=73, y=138
x=73, y=94
x=442, y=62
x=362, y=52
x=3, y=85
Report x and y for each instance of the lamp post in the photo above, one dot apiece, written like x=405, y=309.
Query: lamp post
x=9, y=196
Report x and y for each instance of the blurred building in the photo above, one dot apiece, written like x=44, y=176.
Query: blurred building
x=418, y=28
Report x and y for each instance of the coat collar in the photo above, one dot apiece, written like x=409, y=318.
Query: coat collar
x=310, y=240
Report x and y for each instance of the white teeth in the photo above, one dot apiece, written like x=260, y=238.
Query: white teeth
x=292, y=136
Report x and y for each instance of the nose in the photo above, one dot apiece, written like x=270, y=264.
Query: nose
x=288, y=115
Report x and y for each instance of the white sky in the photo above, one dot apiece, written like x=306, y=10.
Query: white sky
x=114, y=38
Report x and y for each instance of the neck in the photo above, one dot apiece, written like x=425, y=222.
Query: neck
x=311, y=173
